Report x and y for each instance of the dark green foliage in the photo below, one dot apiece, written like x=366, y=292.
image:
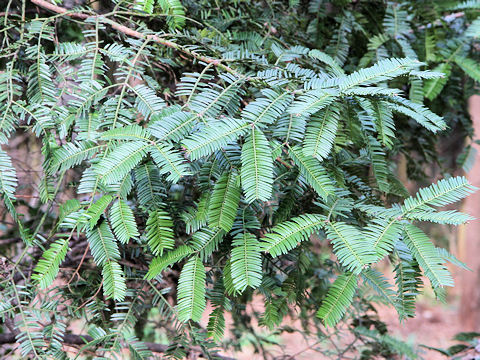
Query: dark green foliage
x=202, y=153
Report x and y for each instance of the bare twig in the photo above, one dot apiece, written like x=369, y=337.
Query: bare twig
x=79, y=265
x=72, y=339
x=91, y=298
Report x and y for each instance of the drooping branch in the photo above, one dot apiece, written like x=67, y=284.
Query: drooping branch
x=132, y=33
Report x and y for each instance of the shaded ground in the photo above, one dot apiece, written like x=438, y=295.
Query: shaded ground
x=435, y=325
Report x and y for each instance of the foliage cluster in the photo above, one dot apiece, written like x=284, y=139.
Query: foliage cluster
x=216, y=152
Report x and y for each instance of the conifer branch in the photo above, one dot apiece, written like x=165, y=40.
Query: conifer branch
x=133, y=33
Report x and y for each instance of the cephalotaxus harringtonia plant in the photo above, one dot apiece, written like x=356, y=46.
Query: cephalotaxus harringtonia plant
x=197, y=153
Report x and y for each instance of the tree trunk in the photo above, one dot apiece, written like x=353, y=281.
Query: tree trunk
x=469, y=240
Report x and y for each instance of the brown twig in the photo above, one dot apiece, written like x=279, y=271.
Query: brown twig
x=72, y=339
x=132, y=33
x=283, y=162
x=133, y=265
x=59, y=10
x=79, y=265
x=91, y=298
